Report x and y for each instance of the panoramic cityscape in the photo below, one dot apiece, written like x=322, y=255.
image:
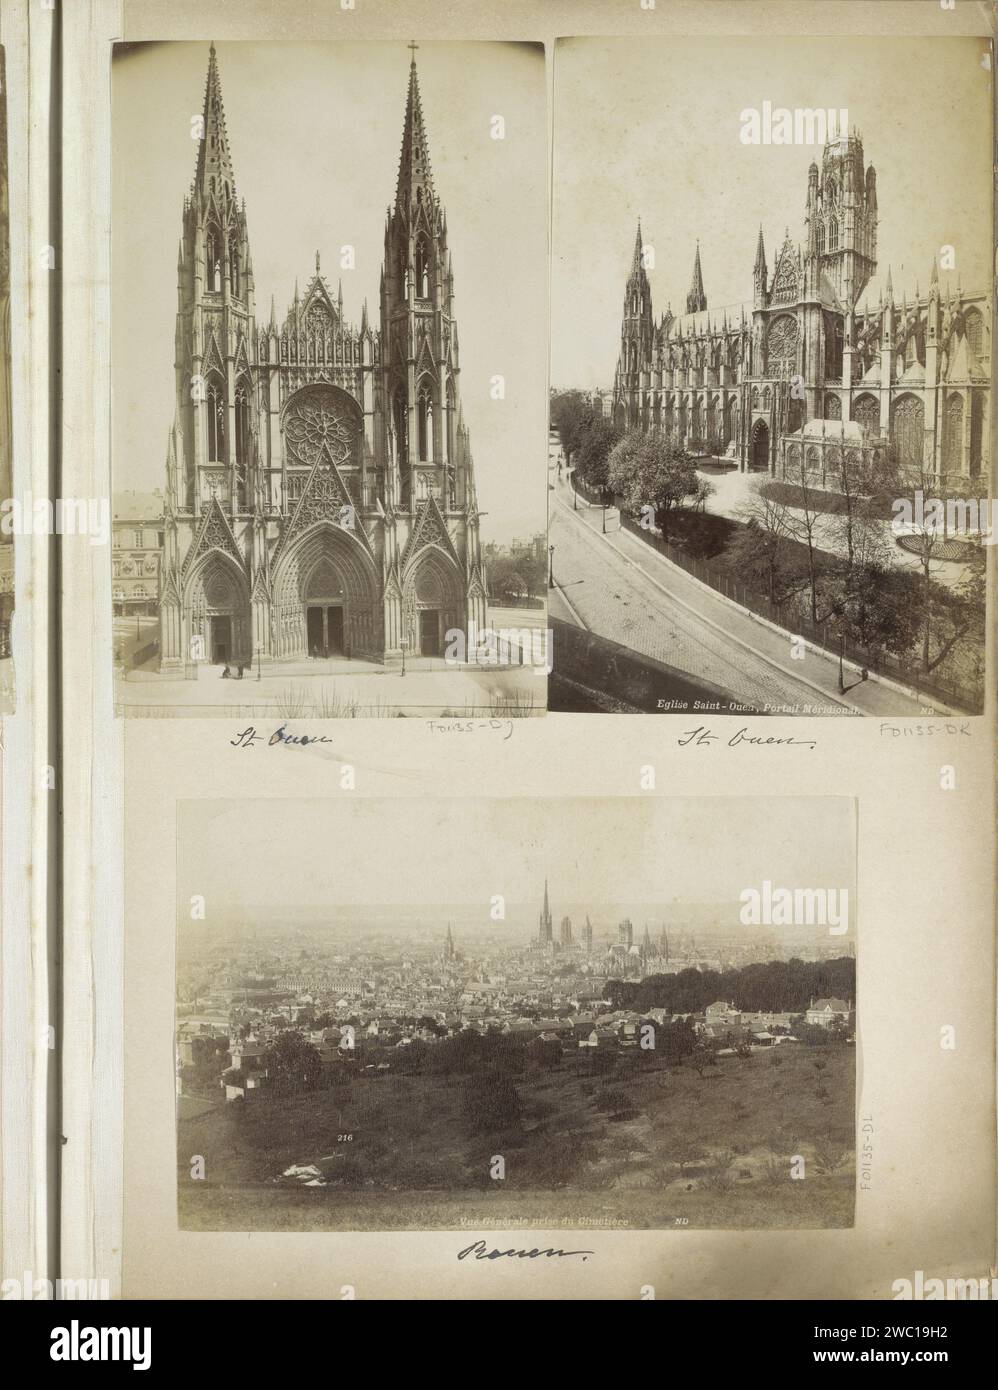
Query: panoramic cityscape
x=358, y=1064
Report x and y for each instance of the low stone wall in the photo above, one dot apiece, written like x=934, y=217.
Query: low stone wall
x=639, y=682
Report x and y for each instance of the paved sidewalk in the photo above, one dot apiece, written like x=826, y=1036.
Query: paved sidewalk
x=626, y=591
x=346, y=694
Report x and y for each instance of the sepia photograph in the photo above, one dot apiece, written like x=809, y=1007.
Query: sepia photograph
x=770, y=385
x=327, y=502
x=629, y=1013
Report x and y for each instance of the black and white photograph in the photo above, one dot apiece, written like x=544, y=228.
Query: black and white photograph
x=770, y=384
x=627, y=1013
x=327, y=502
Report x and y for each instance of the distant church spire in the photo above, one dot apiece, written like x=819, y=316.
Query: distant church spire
x=546, y=932
x=696, y=300
x=214, y=166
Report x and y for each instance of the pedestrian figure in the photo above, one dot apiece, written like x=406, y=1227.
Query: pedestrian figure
x=226, y=673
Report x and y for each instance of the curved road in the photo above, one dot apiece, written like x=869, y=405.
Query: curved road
x=623, y=590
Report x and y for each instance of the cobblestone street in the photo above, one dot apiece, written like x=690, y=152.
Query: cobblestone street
x=621, y=589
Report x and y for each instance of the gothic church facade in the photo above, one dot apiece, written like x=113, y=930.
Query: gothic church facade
x=807, y=371
x=320, y=497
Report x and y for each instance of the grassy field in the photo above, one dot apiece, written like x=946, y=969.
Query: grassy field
x=649, y=1147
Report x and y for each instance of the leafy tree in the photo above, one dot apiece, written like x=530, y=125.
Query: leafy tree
x=685, y=1151
x=762, y=552
x=645, y=470
x=412, y=1057
x=570, y=414
x=802, y=525
x=878, y=607
x=293, y=1063
x=702, y=1057
x=545, y=1053
x=599, y=437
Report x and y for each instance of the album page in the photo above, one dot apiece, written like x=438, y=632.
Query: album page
x=469, y=388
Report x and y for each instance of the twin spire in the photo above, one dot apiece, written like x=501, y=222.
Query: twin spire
x=696, y=300
x=415, y=176
x=214, y=161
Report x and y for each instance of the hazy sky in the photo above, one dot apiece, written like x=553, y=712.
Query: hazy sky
x=314, y=133
x=651, y=128
x=350, y=851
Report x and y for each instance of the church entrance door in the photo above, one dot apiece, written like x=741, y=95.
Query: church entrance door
x=221, y=639
x=429, y=632
x=760, y=446
x=325, y=630
x=315, y=638
x=334, y=631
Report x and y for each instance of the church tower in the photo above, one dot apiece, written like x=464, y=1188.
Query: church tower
x=546, y=933
x=216, y=416
x=429, y=464
x=696, y=300
x=212, y=451
x=637, y=333
x=429, y=442
x=842, y=218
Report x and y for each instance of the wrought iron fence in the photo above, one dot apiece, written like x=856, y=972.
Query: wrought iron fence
x=791, y=617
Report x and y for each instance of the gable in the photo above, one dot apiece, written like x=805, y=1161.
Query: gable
x=429, y=529
x=215, y=533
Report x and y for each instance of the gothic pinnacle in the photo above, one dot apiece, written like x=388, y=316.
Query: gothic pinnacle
x=760, y=252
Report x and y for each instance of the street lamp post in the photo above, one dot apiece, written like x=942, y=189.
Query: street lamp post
x=603, y=495
x=403, y=644
x=550, y=566
x=259, y=659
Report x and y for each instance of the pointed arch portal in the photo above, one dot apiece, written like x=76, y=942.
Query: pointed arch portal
x=218, y=608
x=326, y=598
x=760, y=445
x=432, y=601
